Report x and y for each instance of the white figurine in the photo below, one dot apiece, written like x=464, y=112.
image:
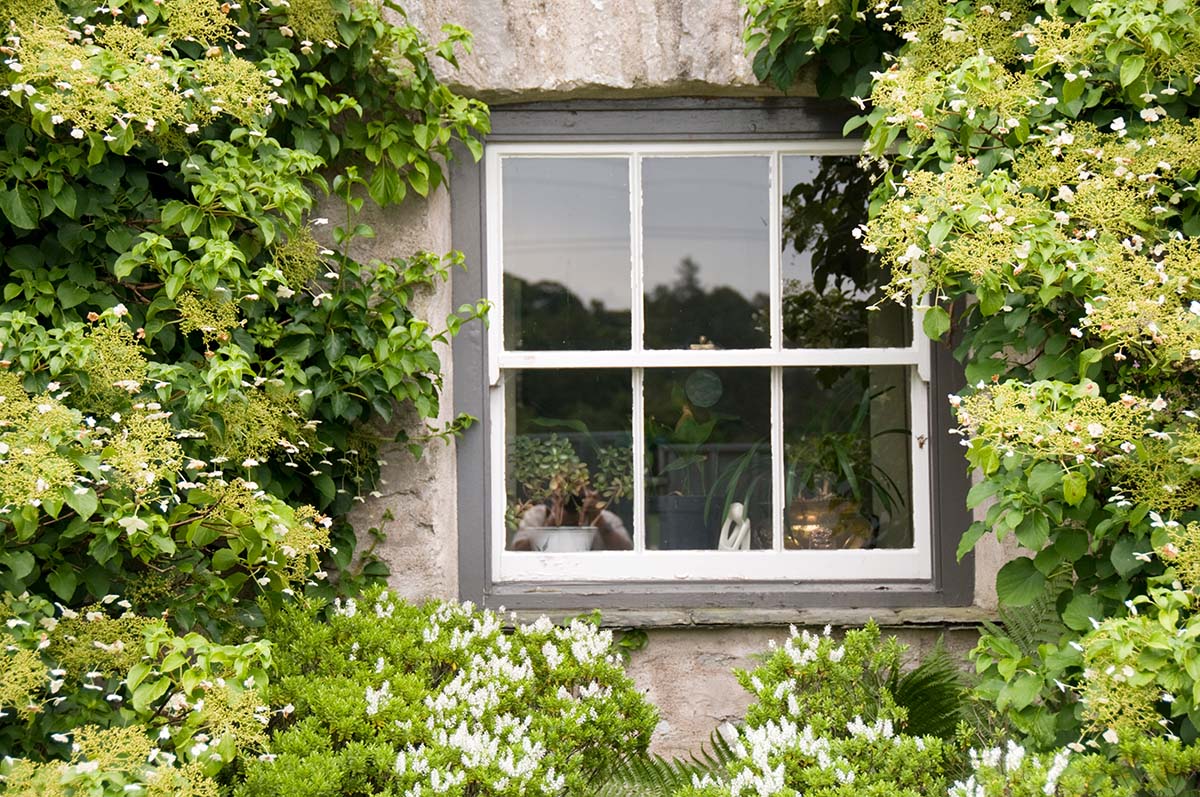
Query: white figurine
x=735, y=534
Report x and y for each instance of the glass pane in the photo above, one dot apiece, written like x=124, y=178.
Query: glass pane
x=829, y=281
x=566, y=253
x=708, y=458
x=847, y=468
x=569, y=468
x=706, y=252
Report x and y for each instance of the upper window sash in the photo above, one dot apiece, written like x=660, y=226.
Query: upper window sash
x=917, y=353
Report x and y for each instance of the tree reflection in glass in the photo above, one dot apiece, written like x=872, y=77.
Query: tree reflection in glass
x=566, y=253
x=706, y=246
x=829, y=281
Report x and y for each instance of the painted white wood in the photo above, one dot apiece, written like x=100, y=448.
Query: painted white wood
x=775, y=222
x=921, y=497
x=640, y=564
x=683, y=566
x=778, y=487
x=639, y=460
x=499, y=486
x=707, y=358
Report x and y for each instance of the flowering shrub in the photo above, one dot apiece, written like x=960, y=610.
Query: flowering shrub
x=826, y=722
x=1139, y=768
x=125, y=697
x=189, y=353
x=1037, y=165
x=391, y=698
x=195, y=365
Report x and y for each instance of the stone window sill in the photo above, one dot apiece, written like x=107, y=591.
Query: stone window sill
x=744, y=618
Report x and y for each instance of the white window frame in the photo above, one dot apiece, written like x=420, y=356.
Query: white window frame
x=777, y=564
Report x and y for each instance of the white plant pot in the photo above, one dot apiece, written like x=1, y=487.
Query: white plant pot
x=562, y=539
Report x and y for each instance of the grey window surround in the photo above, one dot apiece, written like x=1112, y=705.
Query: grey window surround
x=725, y=119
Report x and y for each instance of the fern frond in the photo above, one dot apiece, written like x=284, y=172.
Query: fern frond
x=934, y=693
x=1039, y=622
x=648, y=775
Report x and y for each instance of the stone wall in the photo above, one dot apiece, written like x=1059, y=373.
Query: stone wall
x=527, y=50
x=688, y=674
x=530, y=50
x=416, y=505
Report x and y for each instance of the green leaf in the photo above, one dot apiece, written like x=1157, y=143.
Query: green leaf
x=224, y=559
x=1122, y=556
x=84, y=503
x=971, y=536
x=939, y=230
x=990, y=302
x=936, y=322
x=1087, y=358
x=981, y=492
x=20, y=208
x=325, y=487
x=335, y=347
x=1020, y=692
x=63, y=581
x=1044, y=476
x=1019, y=583
x=1079, y=611
x=20, y=563
x=1072, y=89
x=71, y=295
x=1074, y=487
x=148, y=692
x=137, y=674
x=65, y=200
x=1033, y=530
x=1131, y=67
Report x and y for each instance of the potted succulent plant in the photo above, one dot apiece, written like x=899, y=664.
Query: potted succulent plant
x=559, y=502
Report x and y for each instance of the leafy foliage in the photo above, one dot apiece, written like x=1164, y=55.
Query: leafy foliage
x=826, y=721
x=196, y=369
x=389, y=698
x=1037, y=165
x=187, y=353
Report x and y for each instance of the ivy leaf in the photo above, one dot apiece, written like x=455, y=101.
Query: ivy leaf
x=1019, y=583
x=936, y=322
